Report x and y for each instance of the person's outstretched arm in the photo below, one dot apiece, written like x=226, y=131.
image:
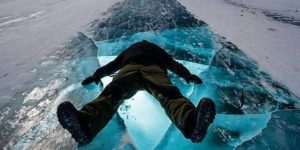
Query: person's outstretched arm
x=105, y=70
x=180, y=70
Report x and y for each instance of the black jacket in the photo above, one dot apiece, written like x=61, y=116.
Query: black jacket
x=144, y=53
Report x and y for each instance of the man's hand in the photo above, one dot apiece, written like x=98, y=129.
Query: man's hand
x=194, y=78
x=89, y=80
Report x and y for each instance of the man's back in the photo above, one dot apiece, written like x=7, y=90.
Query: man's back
x=145, y=53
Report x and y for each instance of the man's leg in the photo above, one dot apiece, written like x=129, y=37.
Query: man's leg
x=177, y=107
x=192, y=122
x=100, y=111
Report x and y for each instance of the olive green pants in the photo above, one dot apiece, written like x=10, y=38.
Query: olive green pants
x=125, y=84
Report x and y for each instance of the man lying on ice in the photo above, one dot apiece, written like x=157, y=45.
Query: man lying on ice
x=143, y=66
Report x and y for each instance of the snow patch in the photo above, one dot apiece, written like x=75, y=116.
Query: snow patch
x=38, y=92
x=5, y=112
x=244, y=24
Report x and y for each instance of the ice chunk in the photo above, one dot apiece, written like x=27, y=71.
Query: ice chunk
x=113, y=136
x=282, y=132
x=227, y=132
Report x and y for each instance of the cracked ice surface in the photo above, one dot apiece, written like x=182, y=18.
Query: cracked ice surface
x=246, y=96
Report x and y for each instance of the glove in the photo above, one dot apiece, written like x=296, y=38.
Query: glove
x=89, y=80
x=194, y=78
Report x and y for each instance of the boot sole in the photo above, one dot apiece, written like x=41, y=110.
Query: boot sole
x=67, y=116
x=205, y=116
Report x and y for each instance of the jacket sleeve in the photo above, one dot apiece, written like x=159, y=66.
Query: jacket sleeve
x=176, y=67
x=109, y=68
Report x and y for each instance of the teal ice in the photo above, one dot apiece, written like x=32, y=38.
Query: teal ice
x=145, y=123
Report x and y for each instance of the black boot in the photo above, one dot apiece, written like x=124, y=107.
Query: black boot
x=70, y=118
x=203, y=116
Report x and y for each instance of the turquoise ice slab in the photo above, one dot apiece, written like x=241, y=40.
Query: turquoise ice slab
x=149, y=128
x=194, y=44
x=282, y=132
x=227, y=132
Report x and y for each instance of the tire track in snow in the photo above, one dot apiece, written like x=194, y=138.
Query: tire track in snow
x=20, y=19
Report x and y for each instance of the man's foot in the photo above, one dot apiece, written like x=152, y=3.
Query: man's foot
x=204, y=116
x=70, y=118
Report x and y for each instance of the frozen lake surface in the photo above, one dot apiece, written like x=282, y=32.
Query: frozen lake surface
x=254, y=110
